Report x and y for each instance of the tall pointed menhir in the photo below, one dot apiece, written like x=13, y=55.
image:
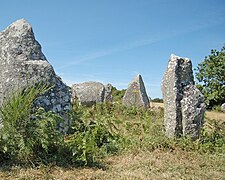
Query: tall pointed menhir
x=184, y=105
x=135, y=94
x=22, y=62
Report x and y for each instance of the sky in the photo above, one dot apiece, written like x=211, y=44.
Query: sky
x=111, y=41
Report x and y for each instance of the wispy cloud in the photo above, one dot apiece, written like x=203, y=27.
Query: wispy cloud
x=99, y=54
x=140, y=42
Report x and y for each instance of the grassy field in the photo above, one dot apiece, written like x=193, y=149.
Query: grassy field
x=208, y=114
x=158, y=164
x=146, y=154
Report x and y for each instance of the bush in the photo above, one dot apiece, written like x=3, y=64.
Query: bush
x=30, y=136
x=27, y=135
x=92, y=134
x=157, y=100
x=217, y=108
x=118, y=94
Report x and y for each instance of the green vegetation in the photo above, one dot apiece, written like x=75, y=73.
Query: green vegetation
x=96, y=133
x=28, y=135
x=211, y=76
x=158, y=100
x=118, y=94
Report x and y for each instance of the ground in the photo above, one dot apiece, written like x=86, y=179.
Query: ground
x=136, y=164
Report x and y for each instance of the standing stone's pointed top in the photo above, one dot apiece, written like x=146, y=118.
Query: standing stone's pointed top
x=19, y=27
x=175, y=57
x=135, y=94
x=138, y=75
x=137, y=78
x=20, y=42
x=20, y=22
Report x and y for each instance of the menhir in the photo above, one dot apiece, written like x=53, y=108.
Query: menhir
x=136, y=94
x=184, y=105
x=22, y=63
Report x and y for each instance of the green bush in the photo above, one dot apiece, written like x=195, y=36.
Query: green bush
x=92, y=134
x=27, y=134
x=30, y=136
x=157, y=100
x=118, y=94
x=217, y=108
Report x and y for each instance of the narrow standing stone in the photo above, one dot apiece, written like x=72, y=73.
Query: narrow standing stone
x=184, y=105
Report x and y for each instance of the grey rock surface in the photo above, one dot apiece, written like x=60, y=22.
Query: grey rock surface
x=193, y=108
x=22, y=62
x=135, y=94
x=184, y=105
x=108, y=93
x=90, y=93
x=223, y=107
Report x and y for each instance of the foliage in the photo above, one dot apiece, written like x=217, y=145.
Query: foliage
x=93, y=133
x=217, y=108
x=96, y=132
x=27, y=134
x=118, y=94
x=124, y=129
x=159, y=100
x=211, y=76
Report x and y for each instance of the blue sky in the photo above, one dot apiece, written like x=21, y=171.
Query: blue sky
x=111, y=41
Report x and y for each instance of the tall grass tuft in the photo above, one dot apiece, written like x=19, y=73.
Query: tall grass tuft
x=27, y=134
x=30, y=135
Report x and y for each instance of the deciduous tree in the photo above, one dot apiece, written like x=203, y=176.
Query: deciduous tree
x=211, y=78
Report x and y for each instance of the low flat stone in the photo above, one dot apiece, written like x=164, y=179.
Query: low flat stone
x=90, y=93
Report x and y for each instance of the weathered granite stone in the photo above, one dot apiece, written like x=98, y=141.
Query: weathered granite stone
x=193, y=108
x=135, y=94
x=90, y=93
x=223, y=107
x=108, y=93
x=22, y=62
x=184, y=105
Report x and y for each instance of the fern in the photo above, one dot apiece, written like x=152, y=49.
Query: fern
x=27, y=133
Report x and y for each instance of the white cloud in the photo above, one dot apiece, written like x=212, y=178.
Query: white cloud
x=139, y=43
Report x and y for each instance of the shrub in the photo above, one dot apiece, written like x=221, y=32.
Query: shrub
x=157, y=100
x=92, y=134
x=30, y=136
x=27, y=134
x=118, y=94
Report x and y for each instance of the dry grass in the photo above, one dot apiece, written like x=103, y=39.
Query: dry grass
x=215, y=115
x=139, y=165
x=156, y=105
x=208, y=114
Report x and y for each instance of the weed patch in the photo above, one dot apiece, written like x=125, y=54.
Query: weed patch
x=96, y=133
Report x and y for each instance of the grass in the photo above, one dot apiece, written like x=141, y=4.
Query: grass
x=136, y=165
x=142, y=153
x=220, y=116
x=215, y=115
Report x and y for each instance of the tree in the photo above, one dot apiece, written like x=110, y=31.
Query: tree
x=211, y=77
